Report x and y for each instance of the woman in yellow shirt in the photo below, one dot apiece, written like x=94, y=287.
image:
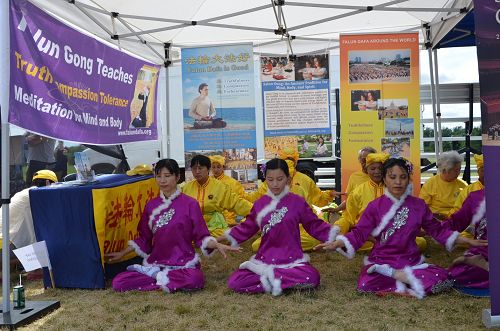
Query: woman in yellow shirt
x=440, y=192
x=213, y=196
x=217, y=167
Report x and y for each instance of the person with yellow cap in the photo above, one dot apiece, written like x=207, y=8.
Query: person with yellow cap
x=314, y=196
x=141, y=169
x=21, y=230
x=476, y=186
x=356, y=178
x=213, y=196
x=218, y=163
x=362, y=195
x=464, y=193
x=440, y=192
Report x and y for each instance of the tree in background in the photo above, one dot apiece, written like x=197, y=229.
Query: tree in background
x=457, y=131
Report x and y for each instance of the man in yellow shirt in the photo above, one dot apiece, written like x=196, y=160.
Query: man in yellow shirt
x=213, y=196
x=217, y=167
x=440, y=192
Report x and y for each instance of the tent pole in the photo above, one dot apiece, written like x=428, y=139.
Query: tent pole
x=167, y=115
x=433, y=97
x=438, y=101
x=4, y=110
x=167, y=48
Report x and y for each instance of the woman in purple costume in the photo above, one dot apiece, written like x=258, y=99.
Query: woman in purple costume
x=394, y=220
x=279, y=263
x=168, y=227
x=471, y=269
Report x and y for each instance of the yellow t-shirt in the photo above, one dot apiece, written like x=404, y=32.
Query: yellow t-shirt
x=356, y=203
x=313, y=195
x=236, y=188
x=476, y=186
x=262, y=190
x=440, y=195
x=215, y=196
x=356, y=178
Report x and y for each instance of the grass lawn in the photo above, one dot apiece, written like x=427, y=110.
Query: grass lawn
x=334, y=306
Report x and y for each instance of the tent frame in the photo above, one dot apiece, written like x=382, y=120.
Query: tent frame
x=282, y=31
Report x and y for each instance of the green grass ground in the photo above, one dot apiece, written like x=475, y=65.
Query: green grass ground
x=336, y=305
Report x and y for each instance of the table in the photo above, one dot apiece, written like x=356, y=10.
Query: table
x=76, y=221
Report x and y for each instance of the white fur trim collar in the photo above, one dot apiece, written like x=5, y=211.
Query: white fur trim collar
x=164, y=205
x=396, y=204
x=275, y=199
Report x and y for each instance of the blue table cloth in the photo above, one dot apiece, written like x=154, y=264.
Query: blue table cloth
x=63, y=216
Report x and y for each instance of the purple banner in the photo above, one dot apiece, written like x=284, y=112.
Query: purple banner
x=69, y=86
x=487, y=21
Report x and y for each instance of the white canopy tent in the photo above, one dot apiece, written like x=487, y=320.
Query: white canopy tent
x=157, y=29
x=275, y=27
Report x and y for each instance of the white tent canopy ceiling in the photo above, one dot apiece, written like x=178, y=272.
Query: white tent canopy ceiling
x=274, y=27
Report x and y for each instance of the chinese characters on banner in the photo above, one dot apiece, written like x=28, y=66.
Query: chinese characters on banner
x=487, y=30
x=117, y=212
x=69, y=86
x=380, y=98
x=219, y=108
x=295, y=95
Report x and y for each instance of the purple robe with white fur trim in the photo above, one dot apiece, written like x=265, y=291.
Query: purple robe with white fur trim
x=166, y=233
x=472, y=213
x=279, y=262
x=395, y=245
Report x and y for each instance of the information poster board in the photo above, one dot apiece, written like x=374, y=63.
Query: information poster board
x=219, y=108
x=296, y=99
x=380, y=98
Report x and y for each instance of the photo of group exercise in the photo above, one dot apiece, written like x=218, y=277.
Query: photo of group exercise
x=396, y=147
x=380, y=66
x=276, y=68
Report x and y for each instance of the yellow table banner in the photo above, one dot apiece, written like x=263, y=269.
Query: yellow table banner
x=117, y=211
